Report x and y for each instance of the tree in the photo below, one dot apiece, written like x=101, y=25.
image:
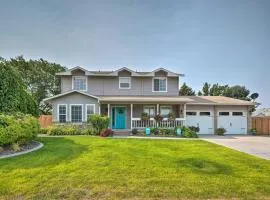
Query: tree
x=237, y=92
x=200, y=93
x=14, y=96
x=39, y=77
x=186, y=91
x=206, y=89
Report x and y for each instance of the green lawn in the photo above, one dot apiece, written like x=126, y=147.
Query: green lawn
x=109, y=168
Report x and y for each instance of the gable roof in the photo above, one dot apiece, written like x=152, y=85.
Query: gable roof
x=115, y=73
x=66, y=93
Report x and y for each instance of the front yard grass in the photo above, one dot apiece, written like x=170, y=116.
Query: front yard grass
x=78, y=167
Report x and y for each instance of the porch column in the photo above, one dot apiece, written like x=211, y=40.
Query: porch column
x=99, y=109
x=157, y=108
x=108, y=110
x=131, y=115
x=185, y=109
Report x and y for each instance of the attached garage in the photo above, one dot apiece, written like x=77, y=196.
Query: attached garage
x=235, y=122
x=202, y=119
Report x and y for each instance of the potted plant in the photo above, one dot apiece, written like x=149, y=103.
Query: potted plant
x=144, y=116
x=171, y=116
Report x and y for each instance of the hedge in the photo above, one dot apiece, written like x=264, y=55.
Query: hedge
x=18, y=129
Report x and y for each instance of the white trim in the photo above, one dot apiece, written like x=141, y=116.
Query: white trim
x=86, y=82
x=131, y=115
x=94, y=105
x=129, y=78
x=159, y=79
x=70, y=105
x=69, y=92
x=58, y=112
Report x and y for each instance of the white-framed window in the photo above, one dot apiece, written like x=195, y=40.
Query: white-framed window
x=237, y=113
x=90, y=110
x=150, y=110
x=191, y=113
x=79, y=83
x=76, y=112
x=124, y=82
x=224, y=113
x=165, y=110
x=62, y=113
x=160, y=84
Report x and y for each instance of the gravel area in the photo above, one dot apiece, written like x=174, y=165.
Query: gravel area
x=31, y=145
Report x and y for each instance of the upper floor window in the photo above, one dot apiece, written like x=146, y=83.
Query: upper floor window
x=79, y=83
x=160, y=84
x=124, y=82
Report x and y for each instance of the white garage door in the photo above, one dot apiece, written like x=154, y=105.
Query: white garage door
x=203, y=120
x=234, y=122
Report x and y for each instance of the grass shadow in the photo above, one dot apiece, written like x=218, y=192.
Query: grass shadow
x=205, y=166
x=55, y=151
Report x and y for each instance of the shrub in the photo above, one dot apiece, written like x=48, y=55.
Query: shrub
x=194, y=128
x=134, y=131
x=145, y=116
x=69, y=130
x=15, y=147
x=99, y=123
x=220, y=131
x=43, y=130
x=154, y=131
x=17, y=129
x=107, y=132
x=187, y=133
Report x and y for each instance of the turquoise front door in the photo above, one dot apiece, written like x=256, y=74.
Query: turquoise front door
x=119, y=118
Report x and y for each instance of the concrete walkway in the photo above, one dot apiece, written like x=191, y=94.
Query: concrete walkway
x=255, y=145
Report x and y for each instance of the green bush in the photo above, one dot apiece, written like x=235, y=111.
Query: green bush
x=188, y=133
x=43, y=130
x=220, y=131
x=15, y=147
x=1, y=149
x=194, y=128
x=68, y=129
x=18, y=129
x=99, y=123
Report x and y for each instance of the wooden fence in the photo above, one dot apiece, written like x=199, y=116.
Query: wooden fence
x=45, y=120
x=262, y=125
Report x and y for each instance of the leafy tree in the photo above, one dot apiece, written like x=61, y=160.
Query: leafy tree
x=200, y=93
x=206, y=89
x=39, y=77
x=237, y=92
x=14, y=96
x=186, y=91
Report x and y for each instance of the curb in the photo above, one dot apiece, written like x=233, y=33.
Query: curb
x=23, y=152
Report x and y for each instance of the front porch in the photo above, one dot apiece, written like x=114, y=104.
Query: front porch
x=128, y=116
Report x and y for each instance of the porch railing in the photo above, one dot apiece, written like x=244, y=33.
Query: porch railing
x=140, y=124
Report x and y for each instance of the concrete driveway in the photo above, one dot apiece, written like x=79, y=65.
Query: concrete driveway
x=255, y=145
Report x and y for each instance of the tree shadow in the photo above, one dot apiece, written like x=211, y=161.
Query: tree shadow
x=205, y=166
x=55, y=150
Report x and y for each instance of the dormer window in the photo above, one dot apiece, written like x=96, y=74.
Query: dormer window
x=160, y=84
x=79, y=83
x=124, y=82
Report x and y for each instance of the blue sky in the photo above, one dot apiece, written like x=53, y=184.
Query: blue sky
x=226, y=42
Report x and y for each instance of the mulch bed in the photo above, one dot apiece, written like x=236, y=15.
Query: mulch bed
x=25, y=147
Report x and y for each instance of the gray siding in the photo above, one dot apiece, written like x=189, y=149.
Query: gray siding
x=73, y=98
x=110, y=86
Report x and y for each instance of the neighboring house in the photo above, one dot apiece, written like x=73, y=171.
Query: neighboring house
x=124, y=94
x=262, y=112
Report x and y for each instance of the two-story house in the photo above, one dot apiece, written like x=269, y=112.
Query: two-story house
x=124, y=95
